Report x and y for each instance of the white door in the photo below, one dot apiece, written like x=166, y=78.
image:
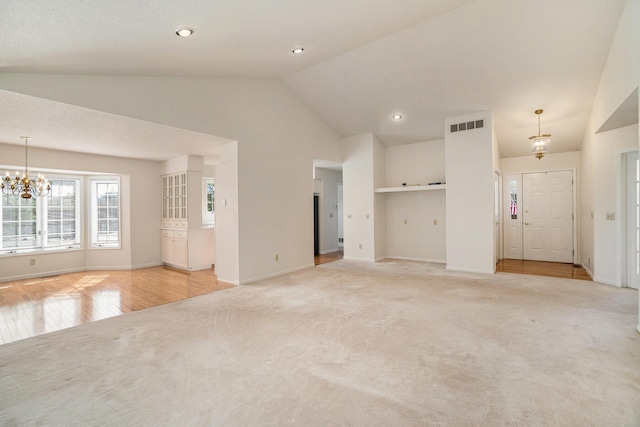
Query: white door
x=547, y=204
x=633, y=221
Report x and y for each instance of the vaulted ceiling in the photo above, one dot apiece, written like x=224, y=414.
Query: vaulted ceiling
x=363, y=60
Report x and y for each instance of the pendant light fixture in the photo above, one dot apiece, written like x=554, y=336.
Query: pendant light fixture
x=540, y=141
x=23, y=185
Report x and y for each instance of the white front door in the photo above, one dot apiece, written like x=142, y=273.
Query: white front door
x=547, y=204
x=633, y=221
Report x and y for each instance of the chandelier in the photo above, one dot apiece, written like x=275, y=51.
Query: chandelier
x=23, y=185
x=540, y=142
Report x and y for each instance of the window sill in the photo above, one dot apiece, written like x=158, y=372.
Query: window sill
x=39, y=251
x=98, y=247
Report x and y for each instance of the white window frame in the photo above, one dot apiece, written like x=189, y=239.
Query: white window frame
x=93, y=212
x=208, y=218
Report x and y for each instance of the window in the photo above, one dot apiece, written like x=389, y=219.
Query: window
x=62, y=213
x=208, y=201
x=210, y=197
x=105, y=212
x=19, y=229
x=40, y=223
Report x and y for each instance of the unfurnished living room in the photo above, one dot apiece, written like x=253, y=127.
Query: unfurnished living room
x=369, y=212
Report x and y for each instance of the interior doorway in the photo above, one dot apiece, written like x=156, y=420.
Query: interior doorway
x=632, y=223
x=328, y=221
x=316, y=224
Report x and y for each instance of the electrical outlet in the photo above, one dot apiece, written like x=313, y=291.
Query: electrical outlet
x=405, y=221
x=435, y=222
x=277, y=257
x=611, y=216
x=32, y=261
x=330, y=215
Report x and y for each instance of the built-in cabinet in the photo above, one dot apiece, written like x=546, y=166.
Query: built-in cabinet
x=175, y=249
x=174, y=200
x=185, y=243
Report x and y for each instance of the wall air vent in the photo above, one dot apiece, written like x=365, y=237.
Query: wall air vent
x=459, y=127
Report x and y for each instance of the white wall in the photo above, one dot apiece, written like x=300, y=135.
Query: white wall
x=140, y=246
x=226, y=240
x=608, y=251
x=550, y=162
x=357, y=177
x=621, y=76
x=379, y=205
x=419, y=238
x=278, y=137
x=328, y=209
x=469, y=163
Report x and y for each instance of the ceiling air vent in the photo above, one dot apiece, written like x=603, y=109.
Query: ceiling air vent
x=459, y=127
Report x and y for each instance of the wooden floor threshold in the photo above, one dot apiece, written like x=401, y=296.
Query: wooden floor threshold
x=542, y=268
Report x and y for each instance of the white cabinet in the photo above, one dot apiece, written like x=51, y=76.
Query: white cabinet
x=188, y=249
x=175, y=248
x=174, y=200
x=185, y=244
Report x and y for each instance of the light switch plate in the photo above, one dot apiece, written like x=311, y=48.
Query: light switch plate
x=611, y=216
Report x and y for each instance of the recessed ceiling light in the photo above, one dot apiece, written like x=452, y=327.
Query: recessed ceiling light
x=396, y=117
x=184, y=32
x=298, y=50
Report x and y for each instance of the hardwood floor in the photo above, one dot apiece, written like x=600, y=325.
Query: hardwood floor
x=538, y=268
x=32, y=307
x=330, y=257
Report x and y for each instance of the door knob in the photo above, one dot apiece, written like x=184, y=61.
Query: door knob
x=526, y=223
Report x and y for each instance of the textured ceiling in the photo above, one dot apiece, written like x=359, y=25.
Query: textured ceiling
x=363, y=61
x=67, y=127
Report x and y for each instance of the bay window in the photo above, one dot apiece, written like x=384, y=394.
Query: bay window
x=41, y=223
x=105, y=212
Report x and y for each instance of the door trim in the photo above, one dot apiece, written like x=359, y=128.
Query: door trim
x=574, y=187
x=621, y=225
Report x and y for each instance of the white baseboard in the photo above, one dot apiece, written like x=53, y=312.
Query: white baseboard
x=107, y=267
x=604, y=281
x=435, y=261
x=76, y=270
x=469, y=270
x=589, y=273
x=42, y=274
x=358, y=259
x=279, y=273
x=147, y=265
x=329, y=251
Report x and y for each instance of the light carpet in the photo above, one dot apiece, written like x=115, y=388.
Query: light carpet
x=348, y=343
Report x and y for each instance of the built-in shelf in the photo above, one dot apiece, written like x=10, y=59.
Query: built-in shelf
x=411, y=188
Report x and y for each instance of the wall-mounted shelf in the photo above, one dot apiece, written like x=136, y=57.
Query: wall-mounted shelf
x=411, y=188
